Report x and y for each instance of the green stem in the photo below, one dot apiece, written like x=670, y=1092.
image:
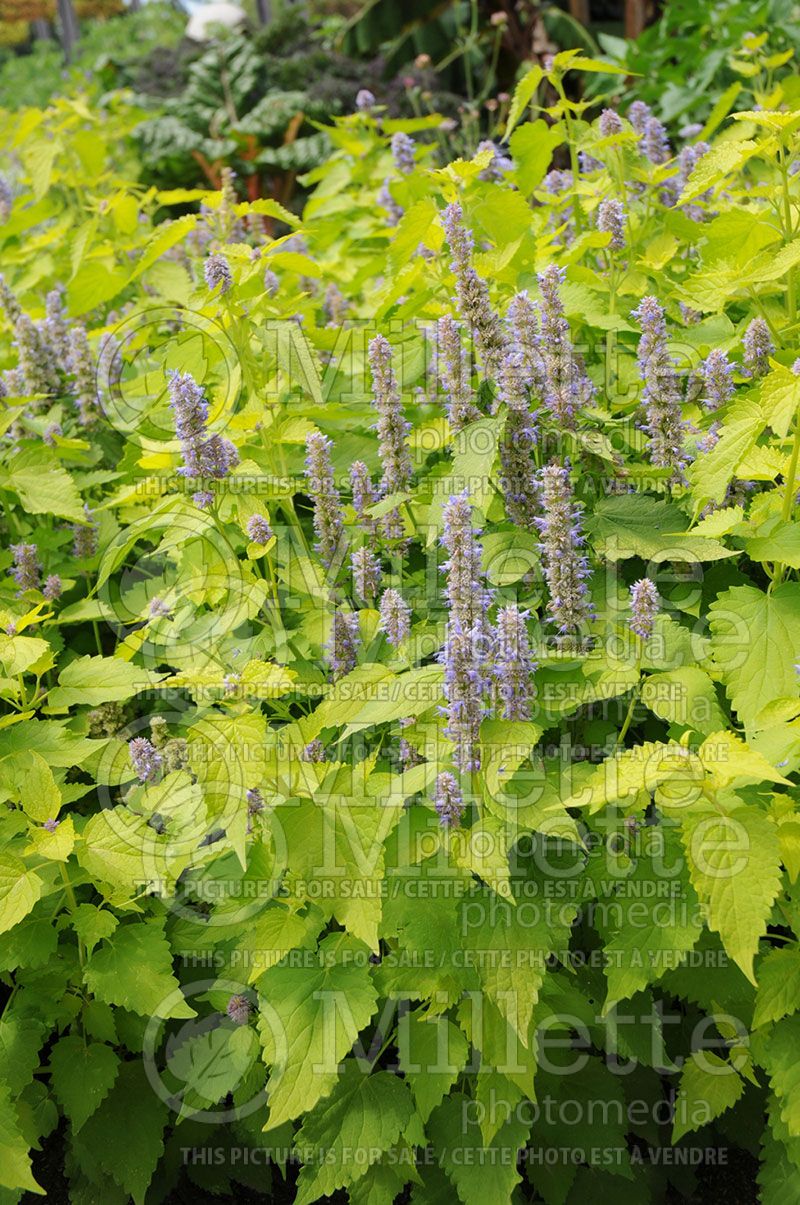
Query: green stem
x=73, y=903
x=623, y=732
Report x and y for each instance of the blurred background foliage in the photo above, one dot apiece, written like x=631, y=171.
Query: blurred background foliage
x=256, y=91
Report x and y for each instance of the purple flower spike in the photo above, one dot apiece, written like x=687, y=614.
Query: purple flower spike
x=661, y=396
x=395, y=615
x=513, y=664
x=717, y=373
x=473, y=293
x=26, y=570
x=448, y=800
x=645, y=606
x=145, y=759
x=758, y=347
x=328, y=522
x=566, y=569
x=238, y=1009
x=567, y=388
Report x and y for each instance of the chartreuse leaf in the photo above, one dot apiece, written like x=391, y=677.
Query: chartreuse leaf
x=755, y=643
x=310, y=1015
x=363, y=1117
x=642, y=768
x=46, y=490
x=734, y=866
x=20, y=888
x=708, y=1087
x=94, y=680
x=711, y=474
x=523, y=94
x=432, y=1052
x=134, y=969
x=33, y=785
x=684, y=696
x=82, y=1074
x=778, y=977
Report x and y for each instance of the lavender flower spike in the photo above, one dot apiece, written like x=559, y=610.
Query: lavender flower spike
x=717, y=373
x=37, y=359
x=566, y=569
x=567, y=386
x=518, y=443
x=364, y=495
x=217, y=272
x=55, y=325
x=611, y=220
x=259, y=530
x=465, y=688
x=448, y=800
x=344, y=643
x=467, y=597
x=522, y=323
x=145, y=759
x=644, y=607
x=609, y=123
x=328, y=523
x=661, y=395
x=26, y=570
x=82, y=366
x=366, y=569
x=52, y=587
x=758, y=347
x=403, y=153
x=188, y=401
x=473, y=293
x=452, y=366
x=513, y=664
x=84, y=536
x=395, y=619
x=393, y=429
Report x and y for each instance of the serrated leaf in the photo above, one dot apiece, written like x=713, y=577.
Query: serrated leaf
x=708, y=1088
x=734, y=866
x=778, y=994
x=363, y=1117
x=134, y=970
x=310, y=1016
x=82, y=1074
x=755, y=642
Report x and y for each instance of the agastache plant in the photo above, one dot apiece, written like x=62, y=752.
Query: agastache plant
x=566, y=567
x=644, y=607
x=513, y=664
x=26, y=569
x=522, y=323
x=217, y=272
x=567, y=387
x=718, y=386
x=448, y=800
x=395, y=617
x=393, y=430
x=83, y=368
x=758, y=347
x=321, y=485
x=345, y=641
x=661, y=396
x=204, y=455
x=611, y=220
x=452, y=365
x=472, y=293
x=366, y=569
x=259, y=529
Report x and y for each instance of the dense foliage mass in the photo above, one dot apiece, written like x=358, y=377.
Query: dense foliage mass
x=400, y=622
